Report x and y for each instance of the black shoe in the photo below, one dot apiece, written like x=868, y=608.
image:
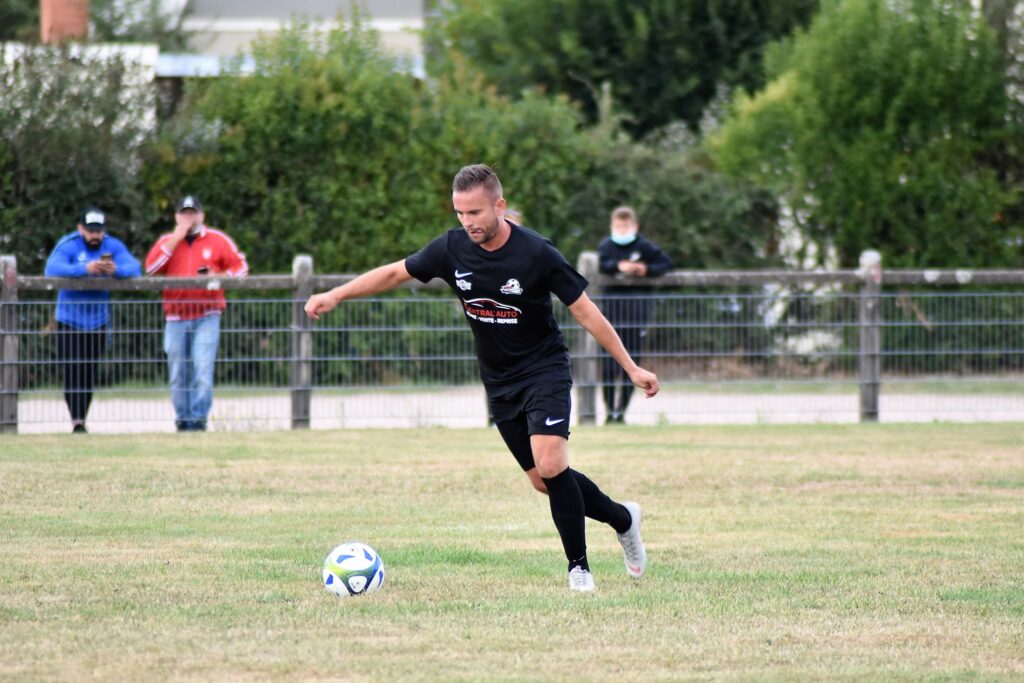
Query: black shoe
x=199, y=425
x=183, y=425
x=79, y=428
x=611, y=419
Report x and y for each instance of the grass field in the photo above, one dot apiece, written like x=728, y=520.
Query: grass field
x=777, y=553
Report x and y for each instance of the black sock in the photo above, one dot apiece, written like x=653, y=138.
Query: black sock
x=567, y=512
x=599, y=507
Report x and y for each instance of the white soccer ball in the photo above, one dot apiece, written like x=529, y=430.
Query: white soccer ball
x=353, y=569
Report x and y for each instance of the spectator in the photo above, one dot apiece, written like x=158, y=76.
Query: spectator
x=83, y=315
x=192, y=330
x=626, y=253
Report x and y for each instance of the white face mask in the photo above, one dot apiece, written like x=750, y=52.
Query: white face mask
x=623, y=239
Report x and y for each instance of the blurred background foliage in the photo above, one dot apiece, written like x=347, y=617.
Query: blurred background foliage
x=747, y=134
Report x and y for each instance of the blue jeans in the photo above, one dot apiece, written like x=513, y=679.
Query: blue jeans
x=191, y=348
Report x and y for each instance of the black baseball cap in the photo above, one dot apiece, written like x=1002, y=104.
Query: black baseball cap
x=189, y=201
x=93, y=220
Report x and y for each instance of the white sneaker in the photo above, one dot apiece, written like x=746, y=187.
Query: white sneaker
x=633, y=550
x=581, y=581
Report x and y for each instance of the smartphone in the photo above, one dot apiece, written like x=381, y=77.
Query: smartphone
x=203, y=270
x=106, y=256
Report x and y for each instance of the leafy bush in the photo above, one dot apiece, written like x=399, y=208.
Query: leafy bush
x=665, y=61
x=329, y=149
x=877, y=128
x=700, y=217
x=72, y=127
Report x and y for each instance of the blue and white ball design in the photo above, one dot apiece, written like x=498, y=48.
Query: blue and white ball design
x=353, y=569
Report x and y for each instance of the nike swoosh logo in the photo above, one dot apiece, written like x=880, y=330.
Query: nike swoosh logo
x=458, y=274
x=549, y=422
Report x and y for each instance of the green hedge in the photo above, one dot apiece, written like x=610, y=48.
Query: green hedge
x=884, y=126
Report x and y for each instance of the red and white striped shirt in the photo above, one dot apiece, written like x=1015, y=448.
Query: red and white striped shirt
x=210, y=248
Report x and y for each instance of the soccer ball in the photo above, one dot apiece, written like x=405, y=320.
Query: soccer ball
x=353, y=569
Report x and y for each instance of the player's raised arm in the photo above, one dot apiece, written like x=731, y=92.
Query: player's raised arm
x=376, y=281
x=590, y=318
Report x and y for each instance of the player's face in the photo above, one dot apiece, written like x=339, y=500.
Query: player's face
x=482, y=216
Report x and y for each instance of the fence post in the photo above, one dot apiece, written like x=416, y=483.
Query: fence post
x=9, y=345
x=869, y=358
x=586, y=373
x=301, y=367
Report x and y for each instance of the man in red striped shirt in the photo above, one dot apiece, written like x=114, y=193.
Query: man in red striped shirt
x=192, y=331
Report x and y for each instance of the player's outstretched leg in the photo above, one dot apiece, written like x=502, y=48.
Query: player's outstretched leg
x=633, y=551
x=599, y=507
x=625, y=518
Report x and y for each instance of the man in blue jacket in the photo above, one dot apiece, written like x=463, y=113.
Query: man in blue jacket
x=82, y=315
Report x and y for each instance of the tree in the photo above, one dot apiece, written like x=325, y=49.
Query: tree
x=665, y=59
x=878, y=127
x=19, y=20
x=112, y=21
x=700, y=217
x=72, y=127
x=138, y=21
x=328, y=148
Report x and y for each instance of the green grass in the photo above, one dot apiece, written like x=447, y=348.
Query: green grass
x=878, y=552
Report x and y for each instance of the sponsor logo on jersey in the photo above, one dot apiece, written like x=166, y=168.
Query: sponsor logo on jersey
x=463, y=285
x=511, y=287
x=207, y=254
x=491, y=311
x=466, y=274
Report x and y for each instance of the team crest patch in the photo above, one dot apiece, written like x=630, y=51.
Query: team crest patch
x=207, y=254
x=511, y=287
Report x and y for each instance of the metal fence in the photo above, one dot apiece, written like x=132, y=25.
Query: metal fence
x=728, y=347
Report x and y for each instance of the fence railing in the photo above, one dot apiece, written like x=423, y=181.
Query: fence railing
x=727, y=345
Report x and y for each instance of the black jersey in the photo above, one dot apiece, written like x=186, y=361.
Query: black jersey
x=506, y=296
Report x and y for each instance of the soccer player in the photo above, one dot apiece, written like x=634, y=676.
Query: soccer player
x=504, y=276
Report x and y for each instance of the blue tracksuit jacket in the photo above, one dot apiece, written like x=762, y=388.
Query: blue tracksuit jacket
x=86, y=310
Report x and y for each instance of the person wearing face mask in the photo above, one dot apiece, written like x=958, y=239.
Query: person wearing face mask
x=192, y=330
x=625, y=253
x=82, y=315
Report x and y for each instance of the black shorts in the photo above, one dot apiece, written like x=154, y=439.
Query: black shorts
x=540, y=406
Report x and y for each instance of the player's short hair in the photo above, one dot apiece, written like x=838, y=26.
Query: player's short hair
x=476, y=175
x=624, y=213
